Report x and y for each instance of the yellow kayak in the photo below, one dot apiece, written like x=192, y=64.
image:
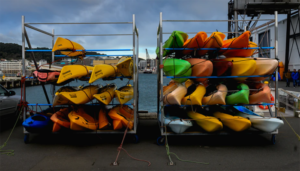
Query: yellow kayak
x=242, y=67
x=66, y=47
x=124, y=94
x=103, y=71
x=264, y=66
x=125, y=66
x=236, y=123
x=59, y=99
x=188, y=83
x=81, y=96
x=74, y=71
x=208, y=123
x=116, y=114
x=106, y=94
x=79, y=118
x=194, y=95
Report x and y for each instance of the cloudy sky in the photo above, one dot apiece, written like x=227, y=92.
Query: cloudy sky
x=146, y=12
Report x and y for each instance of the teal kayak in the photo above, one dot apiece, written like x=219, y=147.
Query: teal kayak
x=176, y=40
x=177, y=67
x=239, y=97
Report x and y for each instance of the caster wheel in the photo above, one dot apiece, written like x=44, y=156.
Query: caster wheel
x=161, y=141
x=273, y=139
x=26, y=138
x=135, y=139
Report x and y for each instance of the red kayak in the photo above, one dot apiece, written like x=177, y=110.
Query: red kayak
x=45, y=75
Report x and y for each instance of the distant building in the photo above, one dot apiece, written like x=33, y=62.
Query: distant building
x=11, y=68
x=42, y=62
x=142, y=64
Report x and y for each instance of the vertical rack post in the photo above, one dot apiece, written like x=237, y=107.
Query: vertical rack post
x=23, y=68
x=161, y=69
x=276, y=57
x=53, y=86
x=236, y=24
x=157, y=72
x=134, y=71
x=137, y=71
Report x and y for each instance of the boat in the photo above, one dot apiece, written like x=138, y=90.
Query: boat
x=80, y=120
x=194, y=95
x=215, y=40
x=176, y=40
x=45, y=75
x=103, y=71
x=119, y=117
x=215, y=95
x=178, y=68
x=125, y=67
x=124, y=94
x=103, y=121
x=74, y=72
x=240, y=42
x=200, y=68
x=67, y=47
x=147, y=71
x=38, y=123
x=266, y=124
x=175, y=97
x=59, y=99
x=60, y=119
x=170, y=87
x=177, y=124
x=235, y=123
x=241, y=96
x=208, y=123
x=221, y=67
x=264, y=66
x=261, y=93
x=106, y=94
x=81, y=96
x=195, y=42
x=241, y=67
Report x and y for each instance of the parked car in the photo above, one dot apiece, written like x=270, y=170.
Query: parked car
x=8, y=103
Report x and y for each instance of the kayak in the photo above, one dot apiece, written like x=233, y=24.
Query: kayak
x=241, y=96
x=116, y=114
x=80, y=120
x=208, y=123
x=261, y=94
x=194, y=95
x=215, y=95
x=264, y=66
x=240, y=42
x=215, y=40
x=81, y=96
x=200, y=68
x=126, y=111
x=177, y=67
x=241, y=67
x=45, y=75
x=221, y=67
x=59, y=99
x=195, y=42
x=103, y=71
x=124, y=94
x=125, y=67
x=60, y=119
x=73, y=72
x=66, y=47
x=175, y=97
x=106, y=94
x=265, y=124
x=38, y=123
x=176, y=124
x=236, y=123
x=188, y=83
x=103, y=121
x=169, y=88
x=176, y=40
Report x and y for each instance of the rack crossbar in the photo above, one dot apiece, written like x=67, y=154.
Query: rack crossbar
x=227, y=105
x=39, y=30
x=87, y=50
x=219, y=76
x=86, y=23
x=205, y=32
x=93, y=35
x=214, y=20
x=218, y=48
x=60, y=56
x=32, y=104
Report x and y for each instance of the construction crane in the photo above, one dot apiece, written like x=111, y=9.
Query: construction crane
x=148, y=69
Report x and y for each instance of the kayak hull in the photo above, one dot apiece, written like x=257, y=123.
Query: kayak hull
x=103, y=71
x=175, y=97
x=177, y=125
x=195, y=42
x=218, y=97
x=235, y=123
x=106, y=94
x=239, y=97
x=124, y=94
x=82, y=119
x=200, y=68
x=264, y=66
x=195, y=97
x=208, y=123
x=177, y=67
x=73, y=72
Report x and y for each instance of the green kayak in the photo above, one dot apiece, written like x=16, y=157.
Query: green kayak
x=240, y=97
x=176, y=40
x=177, y=67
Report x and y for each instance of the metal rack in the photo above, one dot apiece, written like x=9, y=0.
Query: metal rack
x=160, y=76
x=135, y=54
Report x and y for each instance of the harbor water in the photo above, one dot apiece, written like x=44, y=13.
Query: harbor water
x=147, y=91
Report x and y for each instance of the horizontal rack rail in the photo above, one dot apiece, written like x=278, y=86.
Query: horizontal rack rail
x=218, y=76
x=87, y=50
x=265, y=104
x=94, y=55
x=218, y=48
x=215, y=20
x=93, y=34
x=89, y=77
x=84, y=23
x=32, y=104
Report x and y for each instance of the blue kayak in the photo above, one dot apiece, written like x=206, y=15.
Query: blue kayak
x=37, y=123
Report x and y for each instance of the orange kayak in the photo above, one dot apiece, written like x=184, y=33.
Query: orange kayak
x=195, y=42
x=79, y=118
x=117, y=124
x=221, y=68
x=103, y=121
x=263, y=93
x=60, y=118
x=200, y=68
x=240, y=42
x=116, y=114
x=215, y=40
x=170, y=87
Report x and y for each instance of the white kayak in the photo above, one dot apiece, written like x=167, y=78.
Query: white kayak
x=176, y=124
x=266, y=124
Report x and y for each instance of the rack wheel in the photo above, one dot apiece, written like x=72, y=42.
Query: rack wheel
x=26, y=138
x=161, y=141
x=273, y=139
x=135, y=138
